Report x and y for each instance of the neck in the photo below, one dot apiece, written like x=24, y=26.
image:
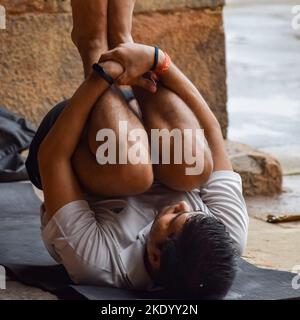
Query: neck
x=148, y=266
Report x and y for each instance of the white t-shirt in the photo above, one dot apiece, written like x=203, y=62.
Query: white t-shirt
x=102, y=242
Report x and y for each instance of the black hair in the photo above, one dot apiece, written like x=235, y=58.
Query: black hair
x=199, y=263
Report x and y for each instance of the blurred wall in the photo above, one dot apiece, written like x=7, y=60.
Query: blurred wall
x=39, y=65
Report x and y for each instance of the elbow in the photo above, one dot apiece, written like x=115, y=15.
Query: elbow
x=241, y=246
x=208, y=166
x=244, y=240
x=241, y=238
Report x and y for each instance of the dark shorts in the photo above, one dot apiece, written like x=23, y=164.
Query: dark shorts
x=32, y=159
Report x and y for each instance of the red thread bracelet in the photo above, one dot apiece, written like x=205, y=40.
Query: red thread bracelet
x=164, y=67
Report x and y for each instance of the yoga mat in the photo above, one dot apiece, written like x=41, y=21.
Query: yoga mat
x=23, y=254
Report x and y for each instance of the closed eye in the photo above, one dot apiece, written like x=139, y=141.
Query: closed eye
x=117, y=210
x=176, y=217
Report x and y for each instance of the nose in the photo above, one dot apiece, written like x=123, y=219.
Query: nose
x=183, y=207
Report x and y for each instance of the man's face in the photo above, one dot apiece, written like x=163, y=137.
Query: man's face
x=169, y=221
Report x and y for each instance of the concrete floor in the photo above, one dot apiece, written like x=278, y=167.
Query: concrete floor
x=275, y=246
x=264, y=77
x=264, y=112
x=17, y=291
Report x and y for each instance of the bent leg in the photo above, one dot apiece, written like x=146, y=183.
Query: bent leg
x=119, y=17
x=165, y=110
x=90, y=34
x=111, y=179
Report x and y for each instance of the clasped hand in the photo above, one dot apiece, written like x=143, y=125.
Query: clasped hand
x=137, y=60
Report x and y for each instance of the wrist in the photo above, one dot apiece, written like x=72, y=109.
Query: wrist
x=114, y=69
x=161, y=59
x=163, y=63
x=108, y=71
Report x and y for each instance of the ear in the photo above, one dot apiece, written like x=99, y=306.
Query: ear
x=154, y=258
x=182, y=206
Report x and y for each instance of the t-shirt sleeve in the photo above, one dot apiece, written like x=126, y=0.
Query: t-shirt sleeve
x=223, y=196
x=74, y=238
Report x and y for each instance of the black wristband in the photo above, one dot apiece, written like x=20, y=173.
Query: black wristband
x=103, y=74
x=155, y=63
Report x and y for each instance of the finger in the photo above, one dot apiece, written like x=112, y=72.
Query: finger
x=151, y=75
x=123, y=79
x=146, y=84
x=154, y=77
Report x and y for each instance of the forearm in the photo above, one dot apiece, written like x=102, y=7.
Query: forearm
x=64, y=136
x=175, y=80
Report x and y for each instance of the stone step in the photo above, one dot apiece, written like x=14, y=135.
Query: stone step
x=39, y=65
x=261, y=172
x=55, y=6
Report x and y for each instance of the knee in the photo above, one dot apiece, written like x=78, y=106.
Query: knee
x=175, y=175
x=134, y=179
x=110, y=179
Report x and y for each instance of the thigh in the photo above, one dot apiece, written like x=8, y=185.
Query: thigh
x=166, y=110
x=112, y=179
